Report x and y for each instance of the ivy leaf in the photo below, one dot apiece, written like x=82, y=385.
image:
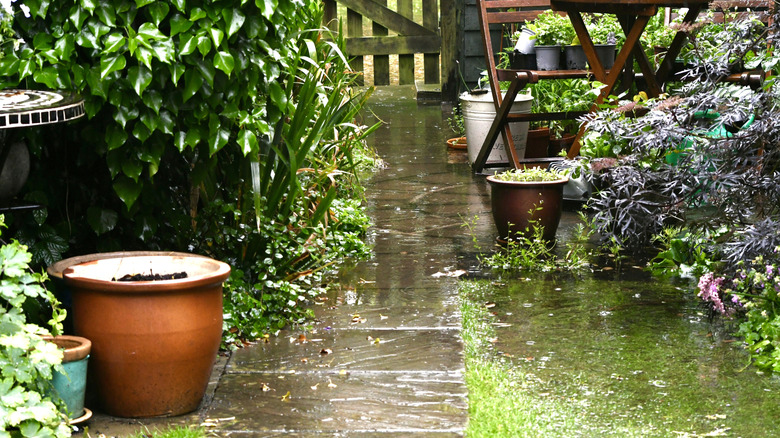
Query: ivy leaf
x=96, y=85
x=48, y=76
x=107, y=15
x=140, y=77
x=77, y=16
x=192, y=83
x=224, y=61
x=267, y=7
x=141, y=3
x=207, y=71
x=127, y=190
x=278, y=96
x=153, y=99
x=177, y=69
x=149, y=32
x=64, y=47
x=158, y=11
x=150, y=120
x=234, y=18
x=167, y=122
x=196, y=14
x=115, y=137
x=218, y=137
x=204, y=44
x=145, y=55
x=216, y=36
x=187, y=44
x=101, y=220
x=179, y=23
x=113, y=42
x=193, y=137
x=164, y=50
x=248, y=141
x=180, y=4
x=110, y=64
x=141, y=132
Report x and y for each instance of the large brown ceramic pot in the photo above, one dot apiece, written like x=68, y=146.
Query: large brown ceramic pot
x=512, y=201
x=154, y=343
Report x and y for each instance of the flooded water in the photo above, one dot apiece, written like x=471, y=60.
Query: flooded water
x=634, y=351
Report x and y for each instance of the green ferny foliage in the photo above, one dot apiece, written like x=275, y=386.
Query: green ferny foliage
x=26, y=360
x=196, y=76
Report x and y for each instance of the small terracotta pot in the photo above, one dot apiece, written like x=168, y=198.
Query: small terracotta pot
x=154, y=343
x=512, y=203
x=458, y=143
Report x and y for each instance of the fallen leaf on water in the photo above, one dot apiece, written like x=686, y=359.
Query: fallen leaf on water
x=383, y=317
x=302, y=338
x=314, y=388
x=266, y=388
x=286, y=397
x=326, y=351
x=331, y=384
x=455, y=274
x=490, y=305
x=377, y=341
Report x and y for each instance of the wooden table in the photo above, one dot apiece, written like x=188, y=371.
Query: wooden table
x=633, y=16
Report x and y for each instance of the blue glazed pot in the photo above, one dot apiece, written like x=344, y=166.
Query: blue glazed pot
x=72, y=385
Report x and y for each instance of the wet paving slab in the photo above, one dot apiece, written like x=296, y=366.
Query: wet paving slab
x=385, y=356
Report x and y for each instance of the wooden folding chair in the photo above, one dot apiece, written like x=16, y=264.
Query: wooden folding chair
x=505, y=12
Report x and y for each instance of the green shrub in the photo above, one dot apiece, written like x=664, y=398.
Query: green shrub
x=26, y=360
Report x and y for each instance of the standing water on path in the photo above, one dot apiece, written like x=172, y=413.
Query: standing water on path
x=632, y=354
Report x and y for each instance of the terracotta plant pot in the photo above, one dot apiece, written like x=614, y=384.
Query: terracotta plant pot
x=71, y=386
x=512, y=203
x=458, y=143
x=537, y=143
x=154, y=343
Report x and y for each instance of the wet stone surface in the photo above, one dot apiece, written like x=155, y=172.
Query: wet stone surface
x=385, y=356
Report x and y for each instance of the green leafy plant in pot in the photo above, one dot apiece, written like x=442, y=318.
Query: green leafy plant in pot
x=524, y=199
x=607, y=37
x=551, y=30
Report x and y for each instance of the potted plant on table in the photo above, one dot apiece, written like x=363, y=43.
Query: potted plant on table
x=564, y=95
x=607, y=36
x=551, y=31
x=525, y=199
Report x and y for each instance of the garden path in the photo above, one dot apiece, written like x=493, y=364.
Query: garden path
x=385, y=356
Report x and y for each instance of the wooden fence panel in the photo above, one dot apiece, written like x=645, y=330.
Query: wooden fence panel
x=390, y=32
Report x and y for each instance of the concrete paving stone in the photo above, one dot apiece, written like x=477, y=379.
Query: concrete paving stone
x=337, y=350
x=315, y=403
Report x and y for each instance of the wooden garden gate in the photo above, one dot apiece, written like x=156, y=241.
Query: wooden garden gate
x=398, y=32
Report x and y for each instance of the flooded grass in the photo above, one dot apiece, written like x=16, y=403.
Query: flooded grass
x=607, y=355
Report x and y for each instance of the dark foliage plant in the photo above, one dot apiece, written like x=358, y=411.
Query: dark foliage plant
x=701, y=168
x=711, y=146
